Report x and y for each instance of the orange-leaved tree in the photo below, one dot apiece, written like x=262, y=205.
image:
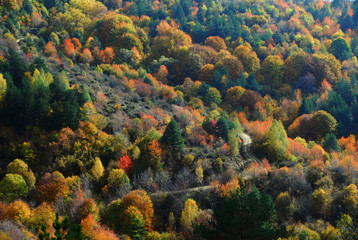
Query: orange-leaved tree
x=125, y=163
x=143, y=203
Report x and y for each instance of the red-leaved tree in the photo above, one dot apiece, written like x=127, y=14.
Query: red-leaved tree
x=125, y=163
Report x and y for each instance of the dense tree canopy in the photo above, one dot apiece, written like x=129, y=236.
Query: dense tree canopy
x=140, y=119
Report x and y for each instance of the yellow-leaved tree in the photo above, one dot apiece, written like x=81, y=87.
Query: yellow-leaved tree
x=350, y=198
x=191, y=210
x=97, y=169
x=3, y=87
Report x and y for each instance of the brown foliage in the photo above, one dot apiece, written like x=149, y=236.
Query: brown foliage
x=313, y=126
x=216, y=42
x=88, y=207
x=232, y=65
x=52, y=186
x=248, y=58
x=233, y=96
x=206, y=73
x=249, y=99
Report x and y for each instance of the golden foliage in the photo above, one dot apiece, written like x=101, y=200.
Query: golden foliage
x=189, y=213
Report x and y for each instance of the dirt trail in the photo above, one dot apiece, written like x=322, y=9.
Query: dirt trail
x=247, y=155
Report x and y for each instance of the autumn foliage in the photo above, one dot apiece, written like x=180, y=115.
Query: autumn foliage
x=125, y=163
x=111, y=109
x=143, y=203
x=52, y=186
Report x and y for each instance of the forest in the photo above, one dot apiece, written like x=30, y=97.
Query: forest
x=178, y=119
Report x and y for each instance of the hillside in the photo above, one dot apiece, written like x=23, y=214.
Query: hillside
x=178, y=119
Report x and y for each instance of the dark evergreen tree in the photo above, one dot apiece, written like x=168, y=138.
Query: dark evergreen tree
x=340, y=49
x=42, y=105
x=308, y=105
x=245, y=214
x=331, y=143
x=65, y=104
x=79, y=35
x=148, y=81
x=336, y=4
x=203, y=89
x=28, y=7
x=217, y=80
x=345, y=20
x=252, y=84
x=324, y=12
x=355, y=11
x=58, y=4
x=223, y=126
x=198, y=33
x=185, y=4
x=172, y=138
x=144, y=8
x=179, y=12
x=63, y=231
x=14, y=103
x=277, y=36
x=344, y=89
x=15, y=66
x=200, y=15
x=134, y=10
x=207, y=126
x=134, y=225
x=38, y=63
x=354, y=43
x=340, y=110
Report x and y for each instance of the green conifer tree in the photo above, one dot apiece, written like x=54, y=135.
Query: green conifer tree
x=172, y=137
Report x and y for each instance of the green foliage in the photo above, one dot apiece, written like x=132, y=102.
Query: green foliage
x=13, y=186
x=272, y=71
x=322, y=200
x=347, y=228
x=324, y=123
x=284, y=207
x=43, y=101
x=97, y=91
x=331, y=143
x=21, y=168
x=18, y=167
x=172, y=137
x=54, y=3
x=112, y=213
x=276, y=142
x=233, y=137
x=3, y=86
x=63, y=231
x=213, y=96
x=117, y=178
x=224, y=125
x=134, y=224
x=252, y=216
x=340, y=49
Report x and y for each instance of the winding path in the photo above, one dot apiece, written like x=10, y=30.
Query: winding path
x=245, y=152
